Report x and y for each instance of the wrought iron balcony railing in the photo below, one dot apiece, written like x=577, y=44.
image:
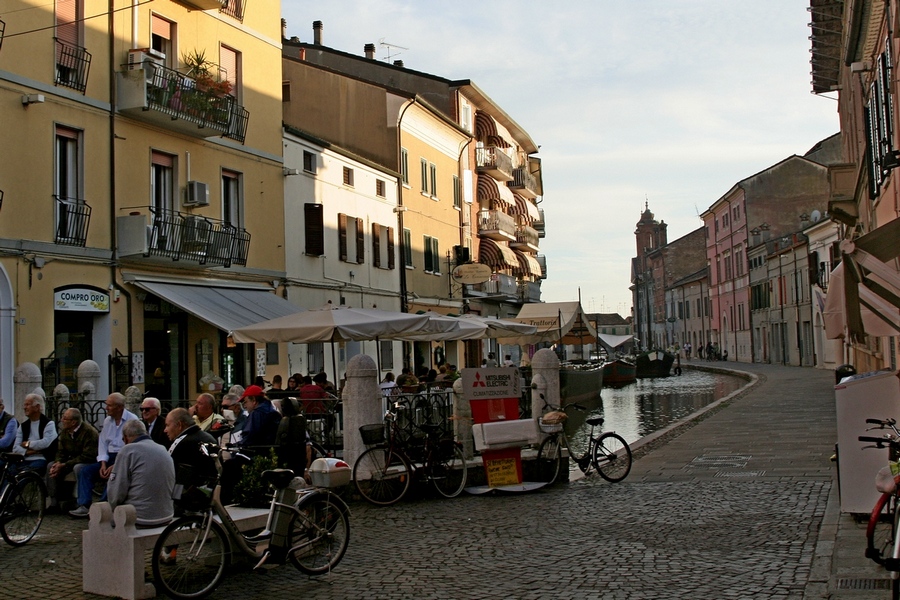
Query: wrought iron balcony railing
x=496, y=224
x=542, y=260
x=2, y=30
x=73, y=63
x=524, y=183
x=529, y=291
x=234, y=8
x=208, y=241
x=501, y=283
x=494, y=161
x=73, y=218
x=526, y=237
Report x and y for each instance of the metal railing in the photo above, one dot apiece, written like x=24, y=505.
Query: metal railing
x=527, y=235
x=501, y=283
x=824, y=275
x=523, y=180
x=73, y=218
x=179, y=96
x=542, y=260
x=493, y=158
x=208, y=241
x=496, y=220
x=529, y=291
x=73, y=63
x=2, y=30
x=234, y=8
x=92, y=411
x=432, y=406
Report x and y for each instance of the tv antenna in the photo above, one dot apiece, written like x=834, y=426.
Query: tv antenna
x=391, y=49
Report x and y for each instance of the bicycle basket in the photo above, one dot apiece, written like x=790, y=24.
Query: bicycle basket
x=554, y=417
x=550, y=427
x=372, y=434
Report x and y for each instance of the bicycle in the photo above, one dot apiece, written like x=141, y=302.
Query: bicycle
x=882, y=541
x=608, y=453
x=22, y=502
x=383, y=473
x=310, y=527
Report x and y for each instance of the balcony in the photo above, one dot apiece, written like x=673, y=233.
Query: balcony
x=529, y=291
x=823, y=275
x=542, y=259
x=495, y=162
x=499, y=285
x=496, y=225
x=170, y=234
x=524, y=183
x=73, y=218
x=205, y=4
x=73, y=63
x=539, y=225
x=526, y=239
x=156, y=94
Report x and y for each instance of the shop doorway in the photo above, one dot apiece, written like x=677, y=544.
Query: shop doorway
x=165, y=355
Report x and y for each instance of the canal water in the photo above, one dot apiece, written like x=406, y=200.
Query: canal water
x=648, y=405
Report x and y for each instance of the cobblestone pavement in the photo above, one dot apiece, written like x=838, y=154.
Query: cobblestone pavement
x=736, y=503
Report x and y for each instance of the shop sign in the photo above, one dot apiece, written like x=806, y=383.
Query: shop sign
x=471, y=273
x=491, y=383
x=81, y=299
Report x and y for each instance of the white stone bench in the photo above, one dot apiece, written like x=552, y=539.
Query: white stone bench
x=114, y=557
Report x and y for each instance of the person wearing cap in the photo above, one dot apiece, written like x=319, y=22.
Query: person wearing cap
x=260, y=429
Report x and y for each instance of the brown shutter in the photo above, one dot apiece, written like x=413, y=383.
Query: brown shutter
x=161, y=27
x=66, y=21
x=390, y=248
x=228, y=60
x=342, y=236
x=376, y=244
x=315, y=229
x=360, y=241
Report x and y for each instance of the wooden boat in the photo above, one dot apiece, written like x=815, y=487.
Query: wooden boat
x=619, y=372
x=579, y=382
x=655, y=363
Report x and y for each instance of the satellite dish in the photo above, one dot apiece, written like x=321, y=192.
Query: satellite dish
x=815, y=216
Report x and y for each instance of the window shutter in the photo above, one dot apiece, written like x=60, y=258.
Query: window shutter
x=435, y=256
x=376, y=244
x=228, y=60
x=67, y=21
x=342, y=236
x=390, y=248
x=315, y=229
x=428, y=255
x=360, y=241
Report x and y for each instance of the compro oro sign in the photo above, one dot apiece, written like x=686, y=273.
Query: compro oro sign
x=81, y=299
x=471, y=274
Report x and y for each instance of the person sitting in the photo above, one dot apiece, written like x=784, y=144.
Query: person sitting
x=430, y=376
x=143, y=476
x=452, y=373
x=407, y=379
x=8, y=429
x=108, y=446
x=193, y=466
x=388, y=385
x=156, y=426
x=260, y=429
x=35, y=437
x=76, y=447
x=508, y=361
x=204, y=411
x=312, y=395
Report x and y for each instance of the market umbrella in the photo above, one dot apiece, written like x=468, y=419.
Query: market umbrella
x=445, y=328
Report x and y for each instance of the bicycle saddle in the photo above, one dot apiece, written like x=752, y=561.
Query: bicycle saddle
x=12, y=457
x=280, y=478
x=594, y=421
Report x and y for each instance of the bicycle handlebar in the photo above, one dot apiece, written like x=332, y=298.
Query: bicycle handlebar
x=880, y=441
x=883, y=423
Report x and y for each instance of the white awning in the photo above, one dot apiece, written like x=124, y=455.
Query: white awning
x=227, y=308
x=563, y=322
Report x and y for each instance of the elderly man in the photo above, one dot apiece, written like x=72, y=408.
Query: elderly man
x=77, y=446
x=108, y=447
x=259, y=430
x=8, y=429
x=205, y=412
x=143, y=476
x=35, y=436
x=156, y=427
x=193, y=467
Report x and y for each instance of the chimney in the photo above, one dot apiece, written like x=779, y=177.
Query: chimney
x=302, y=54
x=284, y=29
x=317, y=33
x=370, y=51
x=398, y=63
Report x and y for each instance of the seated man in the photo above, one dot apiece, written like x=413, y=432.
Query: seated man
x=76, y=445
x=193, y=467
x=151, y=410
x=35, y=437
x=8, y=429
x=108, y=446
x=143, y=476
x=260, y=430
x=204, y=411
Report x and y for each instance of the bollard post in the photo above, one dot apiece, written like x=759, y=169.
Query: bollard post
x=545, y=371
x=462, y=424
x=361, y=400
x=27, y=379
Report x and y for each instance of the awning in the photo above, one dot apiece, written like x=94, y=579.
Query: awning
x=497, y=254
x=490, y=189
x=486, y=130
x=556, y=322
x=614, y=341
x=528, y=264
x=227, y=308
x=526, y=208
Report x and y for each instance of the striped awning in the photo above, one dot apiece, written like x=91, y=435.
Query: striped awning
x=486, y=130
x=498, y=254
x=491, y=189
x=525, y=208
x=528, y=264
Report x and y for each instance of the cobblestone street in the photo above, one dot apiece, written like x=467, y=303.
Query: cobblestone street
x=731, y=505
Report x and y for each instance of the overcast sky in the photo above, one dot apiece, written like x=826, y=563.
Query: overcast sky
x=671, y=103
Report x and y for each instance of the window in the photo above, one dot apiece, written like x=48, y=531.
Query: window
x=725, y=220
x=272, y=354
x=728, y=270
x=315, y=357
x=457, y=193
x=387, y=355
x=404, y=166
x=314, y=225
x=232, y=202
x=70, y=210
x=736, y=213
x=351, y=228
x=382, y=246
x=162, y=32
x=162, y=181
x=309, y=162
x=285, y=91
x=407, y=249
x=879, y=120
x=423, y=164
x=467, y=118
x=738, y=261
x=72, y=60
x=380, y=188
x=433, y=169
x=432, y=256
x=230, y=65
x=348, y=176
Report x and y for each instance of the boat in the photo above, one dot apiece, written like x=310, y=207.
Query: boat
x=655, y=363
x=619, y=372
x=580, y=381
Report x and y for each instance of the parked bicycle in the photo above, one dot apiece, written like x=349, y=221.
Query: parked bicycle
x=383, y=473
x=310, y=527
x=882, y=541
x=22, y=502
x=608, y=452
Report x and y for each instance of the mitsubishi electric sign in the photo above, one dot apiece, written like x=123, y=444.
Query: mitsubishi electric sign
x=490, y=384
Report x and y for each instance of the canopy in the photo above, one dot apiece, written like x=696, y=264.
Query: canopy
x=338, y=324
x=471, y=327
x=563, y=322
x=614, y=341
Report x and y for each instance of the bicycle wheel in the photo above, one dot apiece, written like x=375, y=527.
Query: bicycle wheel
x=319, y=535
x=189, y=560
x=612, y=457
x=448, y=470
x=880, y=531
x=549, y=459
x=24, y=509
x=382, y=476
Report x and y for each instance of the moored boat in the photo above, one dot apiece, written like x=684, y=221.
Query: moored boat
x=619, y=372
x=579, y=382
x=655, y=363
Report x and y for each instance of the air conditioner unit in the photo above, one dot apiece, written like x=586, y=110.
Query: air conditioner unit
x=195, y=231
x=196, y=194
x=137, y=58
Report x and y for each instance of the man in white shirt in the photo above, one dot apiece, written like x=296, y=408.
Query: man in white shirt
x=108, y=447
x=204, y=411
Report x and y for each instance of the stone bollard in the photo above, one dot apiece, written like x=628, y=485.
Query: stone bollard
x=544, y=373
x=133, y=399
x=361, y=400
x=462, y=424
x=88, y=373
x=27, y=379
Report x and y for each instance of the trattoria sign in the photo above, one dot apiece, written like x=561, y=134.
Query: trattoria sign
x=81, y=299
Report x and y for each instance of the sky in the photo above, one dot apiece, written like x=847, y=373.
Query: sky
x=664, y=103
